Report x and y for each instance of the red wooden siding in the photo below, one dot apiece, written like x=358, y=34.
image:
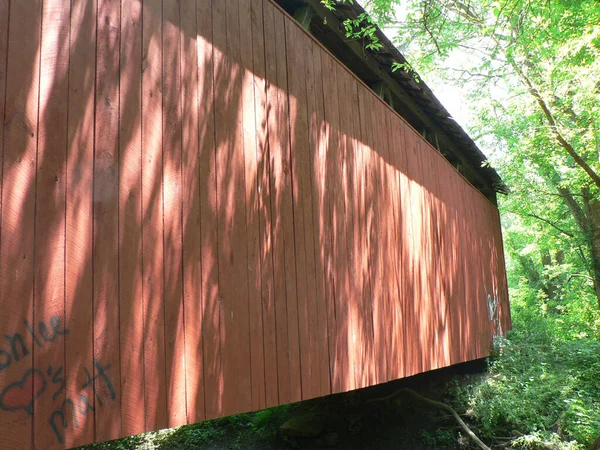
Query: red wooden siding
x=203, y=213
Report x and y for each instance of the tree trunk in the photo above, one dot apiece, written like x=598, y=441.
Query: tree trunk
x=592, y=213
x=588, y=221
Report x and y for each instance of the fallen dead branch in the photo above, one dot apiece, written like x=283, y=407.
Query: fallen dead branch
x=437, y=404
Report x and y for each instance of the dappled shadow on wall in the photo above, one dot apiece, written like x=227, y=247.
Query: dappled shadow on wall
x=203, y=213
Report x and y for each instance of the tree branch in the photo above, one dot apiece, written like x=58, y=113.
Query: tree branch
x=554, y=127
x=575, y=209
x=580, y=275
x=551, y=224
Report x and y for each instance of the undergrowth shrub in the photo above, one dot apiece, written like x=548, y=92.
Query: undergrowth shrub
x=545, y=384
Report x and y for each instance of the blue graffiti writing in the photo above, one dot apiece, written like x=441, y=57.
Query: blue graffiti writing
x=17, y=348
x=23, y=393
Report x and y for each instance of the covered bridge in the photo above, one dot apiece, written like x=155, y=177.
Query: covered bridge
x=208, y=209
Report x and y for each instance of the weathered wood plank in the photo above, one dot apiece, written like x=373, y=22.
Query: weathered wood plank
x=331, y=116
x=282, y=173
x=321, y=236
x=79, y=219
x=212, y=335
x=232, y=249
x=250, y=106
x=172, y=215
x=131, y=312
x=394, y=240
x=106, y=222
x=192, y=184
x=362, y=151
x=296, y=43
x=346, y=165
x=264, y=206
x=49, y=261
x=152, y=224
x=21, y=51
x=275, y=200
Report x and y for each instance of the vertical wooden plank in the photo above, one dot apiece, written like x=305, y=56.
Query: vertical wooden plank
x=309, y=231
x=479, y=322
x=467, y=258
x=342, y=376
x=503, y=300
x=382, y=227
x=375, y=263
x=406, y=244
x=106, y=221
x=394, y=217
x=130, y=219
x=152, y=225
x=361, y=301
x=373, y=199
x=4, y=10
x=18, y=217
x=441, y=229
x=432, y=171
x=321, y=236
x=403, y=237
x=460, y=307
x=212, y=336
x=427, y=336
x=477, y=325
x=191, y=186
x=344, y=320
x=282, y=182
x=489, y=290
x=458, y=297
x=232, y=249
x=426, y=333
x=222, y=80
x=490, y=249
x=282, y=172
x=79, y=219
x=298, y=74
x=49, y=263
x=362, y=160
x=172, y=216
x=331, y=115
x=264, y=205
x=257, y=363
x=449, y=244
x=412, y=204
x=4, y=19
x=276, y=110
x=353, y=332
x=369, y=217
